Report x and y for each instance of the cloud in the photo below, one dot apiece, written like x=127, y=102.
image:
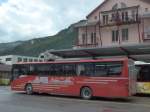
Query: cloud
x=23, y=19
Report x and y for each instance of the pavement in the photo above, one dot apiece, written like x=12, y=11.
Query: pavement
x=20, y=102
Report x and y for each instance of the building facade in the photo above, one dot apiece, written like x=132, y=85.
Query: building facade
x=13, y=59
x=114, y=23
x=5, y=74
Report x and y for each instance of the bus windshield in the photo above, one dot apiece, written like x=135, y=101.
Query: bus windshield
x=144, y=73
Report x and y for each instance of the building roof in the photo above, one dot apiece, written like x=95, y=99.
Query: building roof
x=139, y=52
x=5, y=68
x=86, y=23
x=17, y=56
x=97, y=8
x=147, y=1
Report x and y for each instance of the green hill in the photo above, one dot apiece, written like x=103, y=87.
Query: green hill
x=62, y=40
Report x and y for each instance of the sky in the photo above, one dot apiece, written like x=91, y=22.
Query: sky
x=27, y=19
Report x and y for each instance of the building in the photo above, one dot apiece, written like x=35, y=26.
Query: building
x=13, y=59
x=5, y=74
x=114, y=23
x=46, y=56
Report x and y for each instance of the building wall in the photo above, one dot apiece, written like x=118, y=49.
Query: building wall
x=135, y=32
x=13, y=59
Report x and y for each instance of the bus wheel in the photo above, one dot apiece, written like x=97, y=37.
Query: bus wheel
x=29, y=89
x=86, y=93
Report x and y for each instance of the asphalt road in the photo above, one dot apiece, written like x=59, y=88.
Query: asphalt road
x=19, y=102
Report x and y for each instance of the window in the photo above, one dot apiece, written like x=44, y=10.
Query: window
x=101, y=69
x=25, y=59
x=43, y=69
x=30, y=60
x=56, y=70
x=86, y=69
x=147, y=33
x=95, y=17
x=19, y=59
x=20, y=70
x=148, y=36
x=93, y=38
x=8, y=59
x=114, y=69
x=35, y=60
x=125, y=34
x=134, y=15
x=69, y=69
x=125, y=16
x=84, y=39
x=113, y=17
x=108, y=69
x=146, y=9
x=105, y=19
x=115, y=36
x=42, y=56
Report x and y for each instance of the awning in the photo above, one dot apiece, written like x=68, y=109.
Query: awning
x=138, y=52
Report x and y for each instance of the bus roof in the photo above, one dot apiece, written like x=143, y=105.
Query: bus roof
x=76, y=61
x=143, y=64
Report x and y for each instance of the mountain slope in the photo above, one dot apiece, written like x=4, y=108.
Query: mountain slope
x=63, y=40
x=10, y=45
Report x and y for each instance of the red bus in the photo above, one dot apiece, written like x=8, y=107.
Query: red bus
x=114, y=78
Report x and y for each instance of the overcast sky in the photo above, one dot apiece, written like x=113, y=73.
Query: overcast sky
x=26, y=19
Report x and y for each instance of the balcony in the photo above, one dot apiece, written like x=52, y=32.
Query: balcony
x=119, y=21
x=121, y=16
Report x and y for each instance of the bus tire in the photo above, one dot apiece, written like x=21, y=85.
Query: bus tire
x=29, y=89
x=86, y=93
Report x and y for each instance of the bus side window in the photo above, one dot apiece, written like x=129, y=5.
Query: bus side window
x=69, y=69
x=80, y=70
x=42, y=69
x=100, y=70
x=108, y=69
x=114, y=69
x=86, y=69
